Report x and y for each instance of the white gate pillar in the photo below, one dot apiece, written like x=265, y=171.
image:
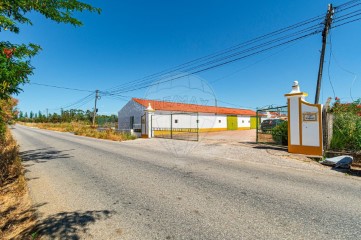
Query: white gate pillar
x=149, y=112
x=304, y=124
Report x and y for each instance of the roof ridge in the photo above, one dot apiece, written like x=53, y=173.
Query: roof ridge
x=144, y=99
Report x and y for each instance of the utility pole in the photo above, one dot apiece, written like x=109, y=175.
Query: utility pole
x=328, y=21
x=97, y=97
x=47, y=113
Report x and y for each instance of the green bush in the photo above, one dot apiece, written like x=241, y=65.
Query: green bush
x=346, y=126
x=346, y=132
x=280, y=133
x=2, y=131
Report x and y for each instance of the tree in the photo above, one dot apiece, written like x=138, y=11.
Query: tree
x=15, y=65
x=7, y=114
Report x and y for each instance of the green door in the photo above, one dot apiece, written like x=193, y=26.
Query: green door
x=253, y=122
x=232, y=123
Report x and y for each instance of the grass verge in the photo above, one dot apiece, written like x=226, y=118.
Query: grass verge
x=16, y=213
x=82, y=129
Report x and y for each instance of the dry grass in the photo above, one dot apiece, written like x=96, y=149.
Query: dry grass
x=10, y=164
x=17, y=217
x=82, y=129
x=16, y=214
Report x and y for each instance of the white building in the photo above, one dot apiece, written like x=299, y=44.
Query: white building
x=163, y=116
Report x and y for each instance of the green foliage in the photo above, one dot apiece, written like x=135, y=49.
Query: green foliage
x=7, y=114
x=346, y=127
x=67, y=116
x=107, y=121
x=15, y=65
x=2, y=132
x=13, y=13
x=280, y=133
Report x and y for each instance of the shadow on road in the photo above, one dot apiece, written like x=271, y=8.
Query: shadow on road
x=351, y=171
x=44, y=154
x=64, y=225
x=12, y=217
x=265, y=146
x=68, y=225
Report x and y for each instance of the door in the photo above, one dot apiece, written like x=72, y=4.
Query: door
x=232, y=123
x=254, y=122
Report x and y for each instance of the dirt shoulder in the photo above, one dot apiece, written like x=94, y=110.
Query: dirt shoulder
x=18, y=216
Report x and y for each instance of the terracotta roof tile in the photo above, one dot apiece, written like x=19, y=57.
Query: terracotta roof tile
x=184, y=107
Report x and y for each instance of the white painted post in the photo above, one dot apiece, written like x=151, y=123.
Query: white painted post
x=148, y=118
x=304, y=124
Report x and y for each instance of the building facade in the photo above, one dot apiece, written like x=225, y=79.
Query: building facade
x=166, y=115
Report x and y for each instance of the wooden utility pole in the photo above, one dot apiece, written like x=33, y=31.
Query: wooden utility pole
x=325, y=31
x=95, y=106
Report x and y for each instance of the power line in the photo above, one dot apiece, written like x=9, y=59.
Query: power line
x=250, y=65
x=138, y=84
x=176, y=75
x=146, y=82
x=228, y=50
x=340, y=9
x=234, y=105
x=346, y=16
x=350, y=15
x=339, y=25
x=53, y=86
x=345, y=70
x=223, y=63
x=229, y=55
x=117, y=97
x=78, y=103
x=347, y=3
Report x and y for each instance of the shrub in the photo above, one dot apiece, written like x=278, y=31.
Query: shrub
x=10, y=165
x=346, y=132
x=280, y=133
x=346, y=127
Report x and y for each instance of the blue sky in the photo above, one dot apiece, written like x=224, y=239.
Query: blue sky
x=132, y=39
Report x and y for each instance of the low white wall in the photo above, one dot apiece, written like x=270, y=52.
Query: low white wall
x=163, y=120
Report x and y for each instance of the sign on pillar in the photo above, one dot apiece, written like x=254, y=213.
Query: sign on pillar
x=304, y=123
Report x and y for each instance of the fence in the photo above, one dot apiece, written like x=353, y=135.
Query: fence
x=181, y=126
x=271, y=125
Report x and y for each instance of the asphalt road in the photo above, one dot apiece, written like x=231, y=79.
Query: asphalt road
x=85, y=188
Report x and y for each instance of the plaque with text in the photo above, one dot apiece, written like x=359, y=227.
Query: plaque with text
x=309, y=117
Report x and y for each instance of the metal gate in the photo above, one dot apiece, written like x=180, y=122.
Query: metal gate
x=180, y=126
x=272, y=126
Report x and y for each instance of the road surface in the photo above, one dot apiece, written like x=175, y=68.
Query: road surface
x=86, y=188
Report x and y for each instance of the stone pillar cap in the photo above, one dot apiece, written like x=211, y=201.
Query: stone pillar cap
x=295, y=88
x=149, y=108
